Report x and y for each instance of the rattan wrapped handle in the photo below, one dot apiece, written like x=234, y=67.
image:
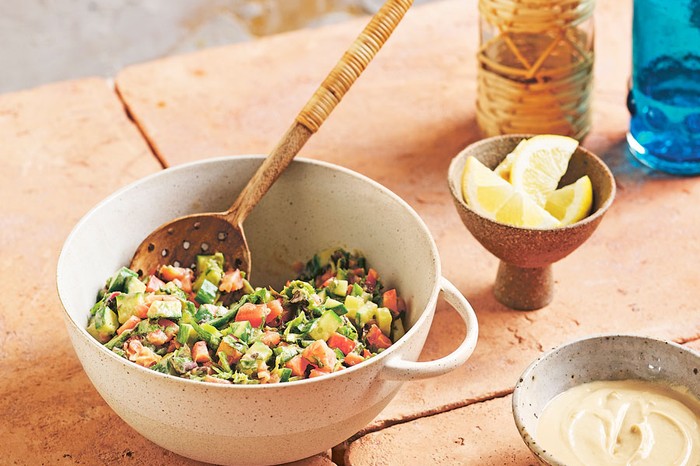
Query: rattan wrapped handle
x=320, y=105
x=352, y=64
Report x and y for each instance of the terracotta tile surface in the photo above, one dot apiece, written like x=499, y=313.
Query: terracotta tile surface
x=483, y=434
x=68, y=145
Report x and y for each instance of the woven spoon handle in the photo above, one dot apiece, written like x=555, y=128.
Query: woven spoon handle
x=320, y=105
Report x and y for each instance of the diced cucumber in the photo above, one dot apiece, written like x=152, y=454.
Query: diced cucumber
x=241, y=330
x=259, y=351
x=352, y=304
x=134, y=285
x=205, y=313
x=397, y=330
x=184, y=333
x=325, y=325
x=172, y=289
x=285, y=373
x=106, y=321
x=356, y=290
x=339, y=287
x=365, y=313
x=208, y=333
x=118, y=340
x=127, y=304
x=335, y=306
x=118, y=281
x=207, y=292
x=165, y=309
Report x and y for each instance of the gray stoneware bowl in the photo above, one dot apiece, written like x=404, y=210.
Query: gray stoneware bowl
x=607, y=357
x=307, y=210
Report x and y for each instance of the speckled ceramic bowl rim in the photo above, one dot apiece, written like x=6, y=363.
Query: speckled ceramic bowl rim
x=527, y=436
x=455, y=182
x=432, y=301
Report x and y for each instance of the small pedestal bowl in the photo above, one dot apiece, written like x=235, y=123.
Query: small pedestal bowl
x=524, y=280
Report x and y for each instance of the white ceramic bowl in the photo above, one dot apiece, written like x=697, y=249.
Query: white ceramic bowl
x=313, y=206
x=607, y=357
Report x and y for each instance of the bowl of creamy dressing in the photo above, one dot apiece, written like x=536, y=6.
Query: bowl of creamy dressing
x=612, y=400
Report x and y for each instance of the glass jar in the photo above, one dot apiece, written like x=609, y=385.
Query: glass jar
x=535, y=67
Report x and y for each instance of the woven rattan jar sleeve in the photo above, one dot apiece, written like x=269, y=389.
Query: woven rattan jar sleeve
x=535, y=66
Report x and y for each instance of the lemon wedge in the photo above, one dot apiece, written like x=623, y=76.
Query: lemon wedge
x=572, y=202
x=494, y=198
x=539, y=164
x=503, y=168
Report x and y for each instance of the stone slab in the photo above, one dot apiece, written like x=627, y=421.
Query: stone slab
x=483, y=434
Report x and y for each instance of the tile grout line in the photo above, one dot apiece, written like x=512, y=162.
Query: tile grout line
x=130, y=115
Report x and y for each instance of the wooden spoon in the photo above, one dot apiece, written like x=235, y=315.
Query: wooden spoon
x=179, y=242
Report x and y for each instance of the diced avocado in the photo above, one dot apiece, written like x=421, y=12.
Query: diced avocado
x=339, y=287
x=366, y=313
x=101, y=337
x=384, y=318
x=172, y=289
x=184, y=333
x=204, y=261
x=209, y=267
x=106, y=321
x=258, y=351
x=325, y=325
x=352, y=304
x=207, y=292
x=134, y=285
x=127, y=304
x=336, y=306
x=118, y=281
x=356, y=290
x=397, y=330
x=241, y=330
x=165, y=309
x=118, y=340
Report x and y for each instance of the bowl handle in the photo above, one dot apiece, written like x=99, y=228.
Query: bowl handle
x=401, y=369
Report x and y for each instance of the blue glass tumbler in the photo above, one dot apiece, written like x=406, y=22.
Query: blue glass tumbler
x=664, y=98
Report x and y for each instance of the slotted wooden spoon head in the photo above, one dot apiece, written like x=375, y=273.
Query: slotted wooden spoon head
x=180, y=241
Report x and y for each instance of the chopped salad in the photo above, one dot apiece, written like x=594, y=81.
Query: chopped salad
x=210, y=324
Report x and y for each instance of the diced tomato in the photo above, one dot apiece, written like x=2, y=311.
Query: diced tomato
x=146, y=357
x=376, y=338
x=154, y=284
x=142, y=310
x=231, y=281
x=389, y=300
x=320, y=355
x=130, y=323
x=343, y=343
x=232, y=354
x=275, y=307
x=317, y=373
x=157, y=337
x=170, y=328
x=371, y=280
x=366, y=353
x=298, y=365
x=271, y=339
x=182, y=276
x=401, y=305
x=132, y=347
x=173, y=345
x=200, y=352
x=324, y=278
x=353, y=358
x=253, y=313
